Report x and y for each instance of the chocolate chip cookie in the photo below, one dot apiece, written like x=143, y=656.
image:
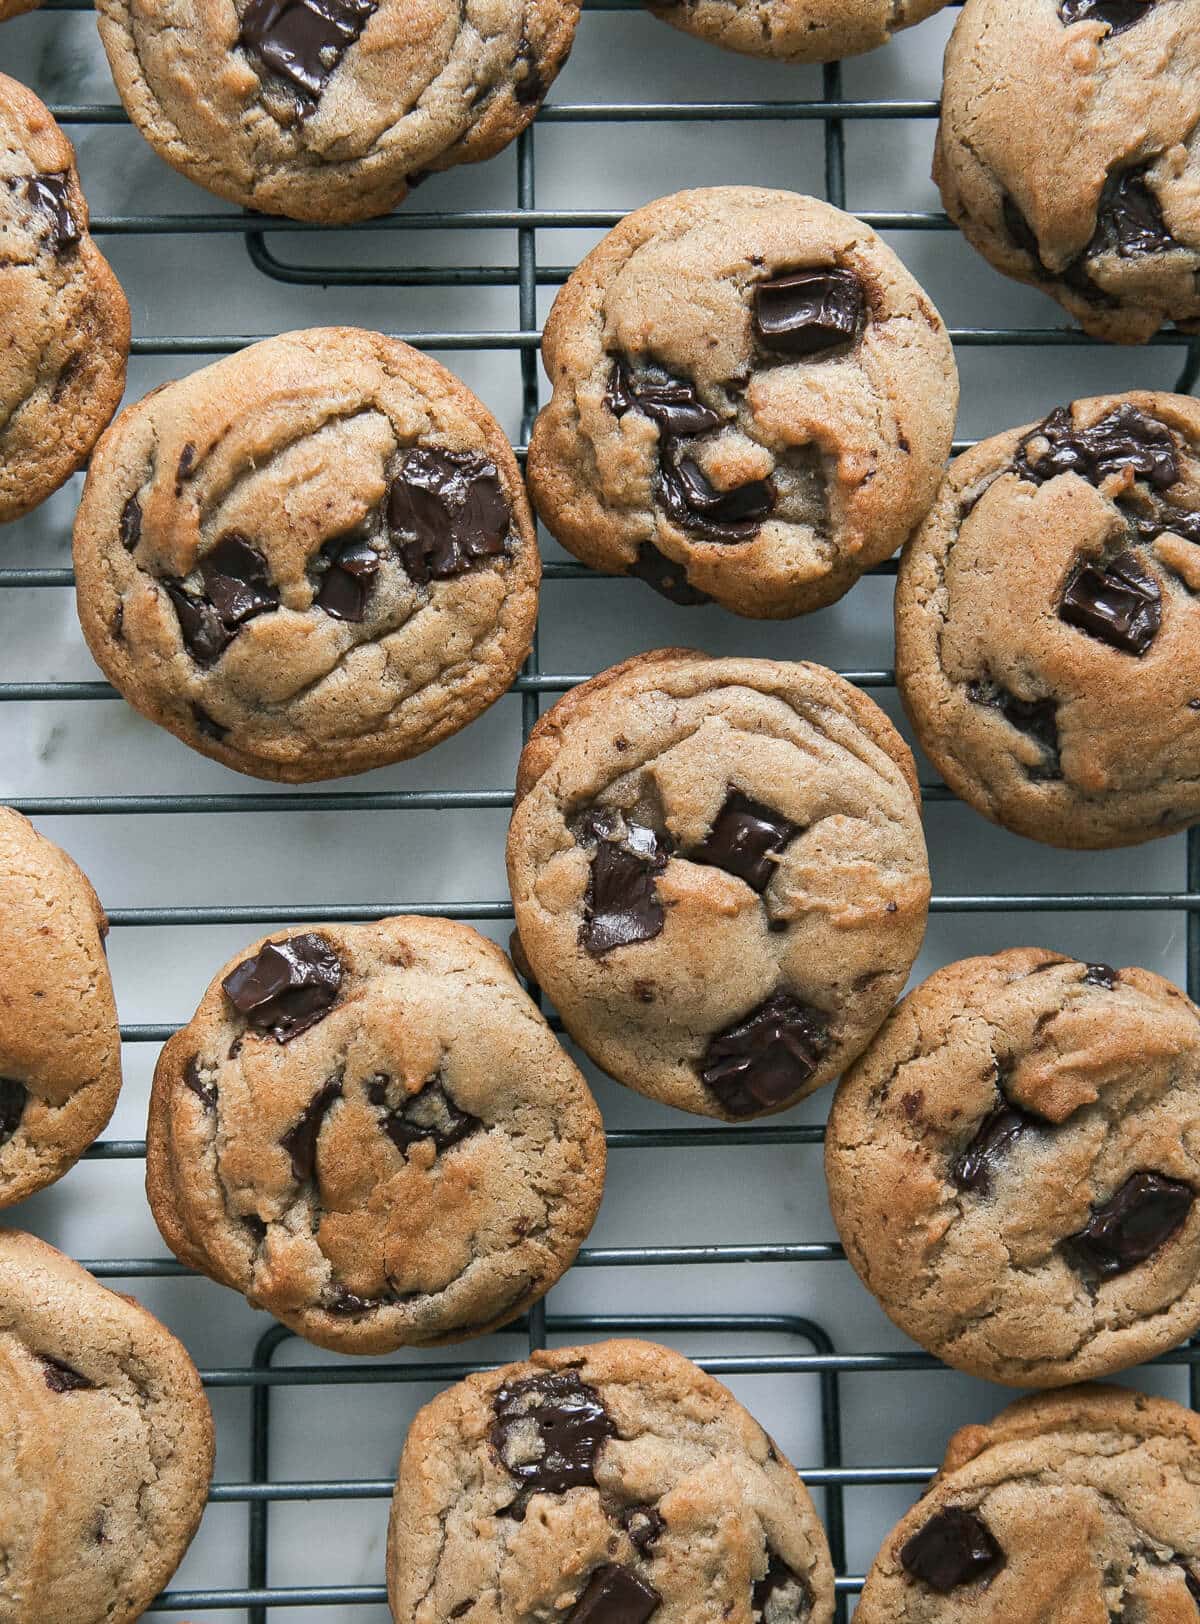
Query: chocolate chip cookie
x=753, y=402
x=1047, y=626
x=1096, y=200
x=312, y=558
x=329, y=110
x=1013, y=1167
x=64, y=322
x=601, y=1485
x=719, y=875
x=1074, y=1506
x=60, y=1050
x=107, y=1444
x=796, y=30
x=14, y=8
x=371, y=1132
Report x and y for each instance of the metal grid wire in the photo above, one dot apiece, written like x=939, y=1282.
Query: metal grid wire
x=265, y=240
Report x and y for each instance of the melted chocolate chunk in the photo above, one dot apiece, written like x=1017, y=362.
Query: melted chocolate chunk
x=666, y=577
x=694, y=504
x=1038, y=718
x=13, y=1098
x=954, y=1548
x=206, y=1093
x=620, y=905
x=531, y=87
x=781, y=1596
x=615, y=1595
x=237, y=587
x=1149, y=525
x=764, y=1059
x=745, y=839
x=1126, y=438
x=48, y=195
x=644, y=1525
x=809, y=312
x=672, y=404
x=428, y=1114
x=62, y=1378
x=1129, y=220
x=256, y=1226
x=548, y=1431
x=300, y=1141
x=286, y=987
x=338, y=1300
x=462, y=1609
x=1100, y=975
x=1192, y=1580
x=448, y=512
x=1132, y=1224
x=1118, y=14
x=206, y=725
x=1119, y=603
x=131, y=524
x=973, y=1167
x=349, y=578
x=303, y=41
x=187, y=461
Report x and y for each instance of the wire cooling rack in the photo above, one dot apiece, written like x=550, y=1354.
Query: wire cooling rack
x=809, y=1349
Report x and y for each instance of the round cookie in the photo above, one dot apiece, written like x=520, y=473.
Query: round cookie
x=108, y=1444
x=329, y=110
x=15, y=8
x=64, y=322
x=719, y=875
x=1096, y=200
x=1013, y=1167
x=371, y=1132
x=60, y=1048
x=1047, y=630
x=753, y=402
x=597, y=1484
x=796, y=30
x=312, y=558
x=1070, y=1507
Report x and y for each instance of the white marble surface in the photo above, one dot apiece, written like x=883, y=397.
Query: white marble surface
x=183, y=284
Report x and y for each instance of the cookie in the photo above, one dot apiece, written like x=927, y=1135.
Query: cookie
x=719, y=875
x=371, y=1132
x=329, y=110
x=605, y=1484
x=108, y=1444
x=64, y=322
x=1013, y=1167
x=15, y=8
x=753, y=402
x=1047, y=630
x=60, y=1049
x=1069, y=1507
x=312, y=558
x=796, y=30
x=1096, y=200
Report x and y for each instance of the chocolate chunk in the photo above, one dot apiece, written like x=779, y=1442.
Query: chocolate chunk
x=808, y=312
x=548, y=1431
x=671, y=403
x=338, y=1300
x=615, y=1595
x=620, y=905
x=304, y=40
x=237, y=587
x=349, y=578
x=644, y=1525
x=286, y=987
x=206, y=1093
x=256, y=1226
x=1038, y=718
x=462, y=1609
x=531, y=87
x=13, y=1097
x=62, y=1378
x=666, y=577
x=187, y=461
x=744, y=839
x=1100, y=975
x=1192, y=1580
x=48, y=195
x=300, y=1141
x=206, y=725
x=781, y=1596
x=973, y=1167
x=1129, y=220
x=1119, y=603
x=1118, y=14
x=1148, y=515
x=1126, y=438
x=1132, y=1224
x=767, y=1057
x=448, y=512
x=954, y=1548
x=131, y=523
x=694, y=504
x=428, y=1114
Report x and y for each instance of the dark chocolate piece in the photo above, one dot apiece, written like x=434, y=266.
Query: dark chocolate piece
x=303, y=41
x=1131, y=1225
x=666, y=577
x=781, y=1596
x=1118, y=14
x=767, y=1057
x=1100, y=975
x=615, y=1595
x=131, y=523
x=1126, y=438
x=448, y=512
x=1192, y=1579
x=672, y=404
x=63, y=1378
x=48, y=195
x=349, y=578
x=1129, y=220
x=1149, y=516
x=428, y=1114
x=1038, y=718
x=206, y=1093
x=548, y=1431
x=13, y=1099
x=973, y=1167
x=300, y=1141
x=462, y=1609
x=620, y=905
x=1119, y=603
x=237, y=587
x=644, y=1525
x=955, y=1547
x=187, y=461
x=338, y=1300
x=531, y=87
x=744, y=839
x=714, y=515
x=256, y=1226
x=287, y=986
x=809, y=312
x=206, y=725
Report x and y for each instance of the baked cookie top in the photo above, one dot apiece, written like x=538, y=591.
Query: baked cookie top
x=329, y=110
x=796, y=30
x=753, y=401
x=1047, y=631
x=371, y=1131
x=608, y=1483
x=1097, y=198
x=107, y=1444
x=719, y=875
x=64, y=322
x=1013, y=1167
x=314, y=557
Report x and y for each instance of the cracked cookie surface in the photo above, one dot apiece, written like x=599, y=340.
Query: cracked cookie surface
x=329, y=110
x=107, y=1444
x=719, y=875
x=64, y=322
x=371, y=1132
x=1013, y=1166
x=602, y=1483
x=796, y=30
x=60, y=1051
x=1069, y=1507
x=310, y=559
x=1047, y=625
x=1097, y=200
x=753, y=401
